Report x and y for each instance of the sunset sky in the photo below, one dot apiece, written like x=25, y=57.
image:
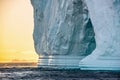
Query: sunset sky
x=16, y=28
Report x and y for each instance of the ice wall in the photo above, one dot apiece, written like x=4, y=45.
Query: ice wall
x=105, y=17
x=63, y=33
x=62, y=27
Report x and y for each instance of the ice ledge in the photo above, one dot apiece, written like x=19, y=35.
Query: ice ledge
x=101, y=63
x=75, y=62
x=59, y=62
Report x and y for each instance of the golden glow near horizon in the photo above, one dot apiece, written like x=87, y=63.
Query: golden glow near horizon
x=16, y=28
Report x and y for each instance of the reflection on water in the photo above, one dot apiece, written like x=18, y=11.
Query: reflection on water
x=17, y=65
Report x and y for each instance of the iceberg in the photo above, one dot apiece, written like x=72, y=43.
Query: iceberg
x=63, y=32
x=105, y=17
x=77, y=34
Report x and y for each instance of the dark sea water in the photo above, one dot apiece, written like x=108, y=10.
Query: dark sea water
x=31, y=72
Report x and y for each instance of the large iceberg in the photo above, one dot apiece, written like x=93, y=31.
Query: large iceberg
x=64, y=33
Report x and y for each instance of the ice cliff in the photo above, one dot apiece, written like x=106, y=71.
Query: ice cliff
x=62, y=27
x=67, y=28
x=105, y=17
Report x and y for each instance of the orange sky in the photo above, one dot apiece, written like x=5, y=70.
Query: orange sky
x=16, y=28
